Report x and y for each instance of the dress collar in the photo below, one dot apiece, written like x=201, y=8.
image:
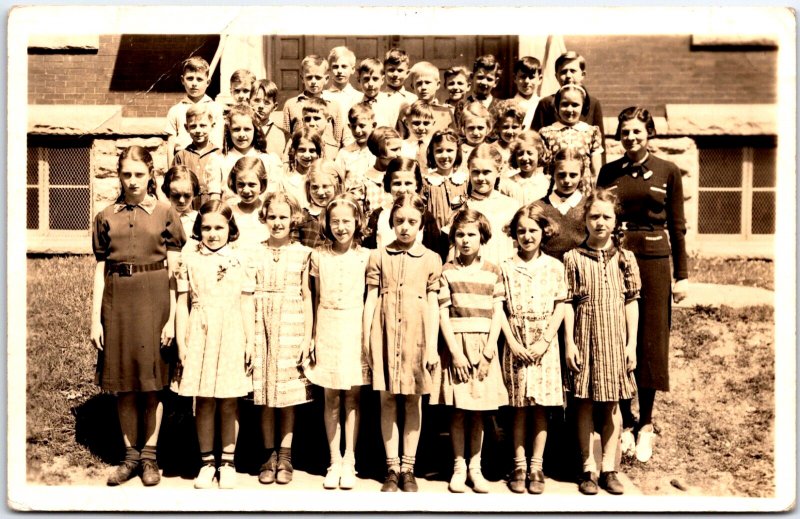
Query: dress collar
x=635, y=168
x=558, y=125
x=605, y=254
x=372, y=175
x=565, y=205
x=314, y=210
x=225, y=250
x=148, y=204
x=477, y=263
x=416, y=250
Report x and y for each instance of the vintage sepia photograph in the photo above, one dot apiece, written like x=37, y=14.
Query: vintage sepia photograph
x=433, y=259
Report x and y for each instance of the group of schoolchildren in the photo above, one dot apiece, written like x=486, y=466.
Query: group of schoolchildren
x=375, y=238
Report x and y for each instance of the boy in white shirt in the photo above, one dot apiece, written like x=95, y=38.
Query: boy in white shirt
x=527, y=78
x=343, y=64
x=396, y=65
x=355, y=159
x=194, y=78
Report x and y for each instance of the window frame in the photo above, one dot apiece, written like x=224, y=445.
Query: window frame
x=746, y=187
x=45, y=235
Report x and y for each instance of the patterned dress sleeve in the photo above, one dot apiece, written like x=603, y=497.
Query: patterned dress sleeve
x=499, y=292
x=630, y=271
x=248, y=274
x=173, y=234
x=571, y=275
x=445, y=297
x=596, y=145
x=100, y=239
x=435, y=273
x=182, y=272
x=559, y=282
x=214, y=174
x=374, y=268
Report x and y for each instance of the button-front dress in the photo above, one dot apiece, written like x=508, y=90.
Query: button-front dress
x=599, y=285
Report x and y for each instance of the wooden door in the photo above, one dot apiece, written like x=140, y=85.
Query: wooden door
x=286, y=53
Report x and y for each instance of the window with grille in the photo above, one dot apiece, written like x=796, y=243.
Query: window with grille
x=58, y=188
x=737, y=191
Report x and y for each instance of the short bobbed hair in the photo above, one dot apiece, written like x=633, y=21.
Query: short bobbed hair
x=282, y=196
x=535, y=212
x=466, y=216
x=402, y=164
x=220, y=207
x=347, y=200
x=639, y=114
x=248, y=163
x=412, y=200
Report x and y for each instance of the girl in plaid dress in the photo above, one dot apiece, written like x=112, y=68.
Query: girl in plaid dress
x=601, y=322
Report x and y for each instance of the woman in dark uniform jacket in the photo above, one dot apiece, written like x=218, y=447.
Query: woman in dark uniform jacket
x=650, y=195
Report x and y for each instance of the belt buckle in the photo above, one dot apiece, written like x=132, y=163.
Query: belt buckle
x=125, y=270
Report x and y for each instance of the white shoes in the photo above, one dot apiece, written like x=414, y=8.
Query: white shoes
x=644, y=444
x=348, y=476
x=479, y=483
x=333, y=475
x=205, y=478
x=227, y=476
x=458, y=483
x=627, y=443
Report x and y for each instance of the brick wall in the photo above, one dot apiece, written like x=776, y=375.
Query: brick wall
x=622, y=70
x=139, y=72
x=655, y=70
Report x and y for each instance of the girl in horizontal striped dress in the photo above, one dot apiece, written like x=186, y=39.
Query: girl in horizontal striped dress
x=601, y=324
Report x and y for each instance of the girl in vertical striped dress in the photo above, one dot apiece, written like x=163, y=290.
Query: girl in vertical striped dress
x=284, y=322
x=601, y=324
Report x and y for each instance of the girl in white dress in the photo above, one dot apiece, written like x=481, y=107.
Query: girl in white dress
x=338, y=363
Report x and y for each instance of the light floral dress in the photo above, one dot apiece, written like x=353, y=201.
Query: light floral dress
x=533, y=288
x=215, y=341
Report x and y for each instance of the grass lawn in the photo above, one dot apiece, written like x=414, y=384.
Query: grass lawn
x=716, y=425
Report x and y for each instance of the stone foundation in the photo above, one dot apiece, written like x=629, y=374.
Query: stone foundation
x=104, y=156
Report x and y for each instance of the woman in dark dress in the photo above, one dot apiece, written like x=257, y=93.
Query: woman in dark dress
x=650, y=194
x=136, y=241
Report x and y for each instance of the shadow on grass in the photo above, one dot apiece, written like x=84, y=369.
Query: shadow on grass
x=97, y=428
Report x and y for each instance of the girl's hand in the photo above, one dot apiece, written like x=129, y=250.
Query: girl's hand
x=483, y=368
x=248, y=359
x=167, y=333
x=96, y=336
x=432, y=360
x=630, y=356
x=538, y=350
x=680, y=290
x=519, y=352
x=460, y=366
x=573, y=357
x=305, y=351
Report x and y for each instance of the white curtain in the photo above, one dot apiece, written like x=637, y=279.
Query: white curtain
x=241, y=51
x=545, y=48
